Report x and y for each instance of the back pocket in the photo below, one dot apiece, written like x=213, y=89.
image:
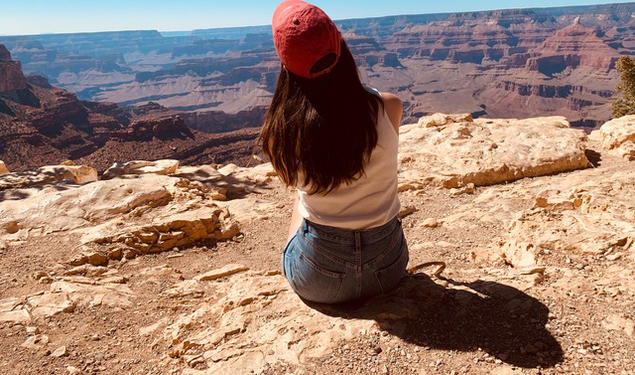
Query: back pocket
x=314, y=282
x=389, y=277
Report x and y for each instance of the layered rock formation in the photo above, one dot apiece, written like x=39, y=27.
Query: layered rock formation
x=11, y=77
x=41, y=124
x=179, y=264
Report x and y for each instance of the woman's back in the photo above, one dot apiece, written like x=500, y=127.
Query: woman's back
x=368, y=202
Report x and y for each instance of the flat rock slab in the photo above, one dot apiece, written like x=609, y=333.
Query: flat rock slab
x=148, y=213
x=458, y=151
x=291, y=332
x=53, y=209
x=79, y=174
x=12, y=310
x=65, y=294
x=228, y=270
x=588, y=213
x=168, y=230
x=162, y=167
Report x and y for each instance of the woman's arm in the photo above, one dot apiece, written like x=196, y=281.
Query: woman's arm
x=296, y=219
x=394, y=109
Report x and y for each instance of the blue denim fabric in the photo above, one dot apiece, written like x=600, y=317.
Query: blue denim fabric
x=331, y=265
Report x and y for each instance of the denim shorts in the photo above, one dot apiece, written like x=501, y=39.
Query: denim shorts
x=331, y=265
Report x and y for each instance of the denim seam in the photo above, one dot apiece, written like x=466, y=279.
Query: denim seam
x=358, y=263
x=284, y=251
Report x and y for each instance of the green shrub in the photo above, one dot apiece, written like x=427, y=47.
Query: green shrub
x=624, y=104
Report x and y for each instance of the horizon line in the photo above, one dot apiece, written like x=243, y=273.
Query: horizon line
x=335, y=20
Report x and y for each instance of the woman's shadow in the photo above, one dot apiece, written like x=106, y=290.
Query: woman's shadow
x=499, y=319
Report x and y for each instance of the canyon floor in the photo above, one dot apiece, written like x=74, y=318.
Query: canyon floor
x=175, y=270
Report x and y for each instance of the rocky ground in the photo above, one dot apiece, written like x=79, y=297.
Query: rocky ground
x=164, y=269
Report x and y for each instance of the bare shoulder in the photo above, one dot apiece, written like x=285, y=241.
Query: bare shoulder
x=394, y=108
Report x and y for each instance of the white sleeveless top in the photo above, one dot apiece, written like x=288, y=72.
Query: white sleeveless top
x=368, y=202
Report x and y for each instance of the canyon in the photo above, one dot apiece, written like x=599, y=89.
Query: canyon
x=41, y=124
x=507, y=63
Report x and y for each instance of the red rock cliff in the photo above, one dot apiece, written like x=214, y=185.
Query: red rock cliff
x=11, y=76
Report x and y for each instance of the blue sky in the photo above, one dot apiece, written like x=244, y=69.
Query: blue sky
x=55, y=16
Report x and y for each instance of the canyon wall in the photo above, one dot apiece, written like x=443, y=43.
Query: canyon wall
x=41, y=124
x=506, y=63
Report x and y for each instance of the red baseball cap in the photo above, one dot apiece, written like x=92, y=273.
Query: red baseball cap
x=305, y=36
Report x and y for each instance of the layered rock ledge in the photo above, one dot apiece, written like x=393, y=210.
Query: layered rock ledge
x=454, y=151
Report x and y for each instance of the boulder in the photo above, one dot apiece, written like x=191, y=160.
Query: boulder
x=454, y=151
x=618, y=136
x=164, y=233
x=148, y=214
x=161, y=167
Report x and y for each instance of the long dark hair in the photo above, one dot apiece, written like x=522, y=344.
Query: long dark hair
x=324, y=127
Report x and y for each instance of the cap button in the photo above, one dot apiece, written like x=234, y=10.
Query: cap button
x=296, y=21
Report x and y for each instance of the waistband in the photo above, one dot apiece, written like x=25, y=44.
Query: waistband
x=347, y=236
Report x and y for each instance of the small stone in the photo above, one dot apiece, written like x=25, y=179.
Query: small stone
x=407, y=211
x=614, y=257
x=467, y=189
x=228, y=270
x=73, y=370
x=40, y=275
x=115, y=254
x=94, y=258
x=59, y=352
x=430, y=223
x=30, y=331
x=129, y=254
